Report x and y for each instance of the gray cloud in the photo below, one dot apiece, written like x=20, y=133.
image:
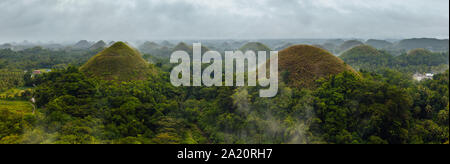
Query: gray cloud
x=61, y=20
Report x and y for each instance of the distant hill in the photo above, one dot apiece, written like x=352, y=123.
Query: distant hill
x=379, y=44
x=182, y=47
x=302, y=65
x=225, y=46
x=148, y=46
x=366, y=57
x=349, y=44
x=154, y=49
x=166, y=44
x=82, y=44
x=431, y=44
x=423, y=56
x=189, y=49
x=254, y=46
x=99, y=45
x=118, y=62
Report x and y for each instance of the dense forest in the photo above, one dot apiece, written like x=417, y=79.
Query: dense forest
x=414, y=61
x=380, y=104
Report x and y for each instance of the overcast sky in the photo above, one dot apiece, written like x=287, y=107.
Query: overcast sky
x=62, y=20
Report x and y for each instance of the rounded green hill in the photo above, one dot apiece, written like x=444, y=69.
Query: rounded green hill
x=380, y=44
x=348, y=45
x=118, y=62
x=361, y=51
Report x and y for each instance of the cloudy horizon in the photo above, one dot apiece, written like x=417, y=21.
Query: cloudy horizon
x=64, y=20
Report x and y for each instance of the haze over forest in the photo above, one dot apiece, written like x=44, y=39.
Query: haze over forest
x=67, y=20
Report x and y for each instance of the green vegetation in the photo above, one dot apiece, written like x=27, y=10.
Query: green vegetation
x=15, y=118
x=39, y=57
x=183, y=47
x=431, y=44
x=366, y=57
x=418, y=60
x=321, y=99
x=15, y=93
x=377, y=111
x=10, y=79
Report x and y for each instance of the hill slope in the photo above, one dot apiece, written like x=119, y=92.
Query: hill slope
x=366, y=57
x=99, y=45
x=302, y=65
x=348, y=45
x=118, y=62
x=82, y=44
x=423, y=56
x=379, y=44
x=427, y=43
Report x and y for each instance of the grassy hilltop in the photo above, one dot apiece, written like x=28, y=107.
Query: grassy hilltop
x=118, y=62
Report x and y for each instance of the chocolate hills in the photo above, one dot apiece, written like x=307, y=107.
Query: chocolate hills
x=361, y=51
x=182, y=47
x=379, y=44
x=423, y=56
x=148, y=47
x=82, y=44
x=348, y=44
x=431, y=44
x=166, y=44
x=254, y=46
x=302, y=65
x=99, y=45
x=189, y=49
x=118, y=62
x=366, y=57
